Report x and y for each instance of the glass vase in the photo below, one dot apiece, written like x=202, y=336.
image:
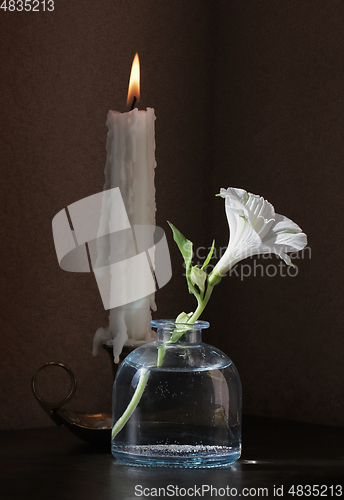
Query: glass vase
x=177, y=403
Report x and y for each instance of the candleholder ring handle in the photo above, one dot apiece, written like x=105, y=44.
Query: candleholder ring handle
x=50, y=406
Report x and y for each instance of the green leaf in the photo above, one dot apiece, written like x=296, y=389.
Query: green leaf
x=209, y=256
x=183, y=317
x=184, y=245
x=198, y=277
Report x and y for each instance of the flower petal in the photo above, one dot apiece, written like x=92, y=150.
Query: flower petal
x=287, y=242
x=285, y=234
x=286, y=259
x=285, y=224
x=243, y=239
x=260, y=211
x=255, y=228
x=239, y=194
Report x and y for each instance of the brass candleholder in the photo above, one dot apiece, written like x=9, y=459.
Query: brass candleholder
x=95, y=428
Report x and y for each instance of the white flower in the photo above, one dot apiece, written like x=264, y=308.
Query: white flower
x=255, y=229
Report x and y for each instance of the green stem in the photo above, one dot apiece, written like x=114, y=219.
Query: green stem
x=161, y=354
x=202, y=304
x=133, y=403
x=200, y=308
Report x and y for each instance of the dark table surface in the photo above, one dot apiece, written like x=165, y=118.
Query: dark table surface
x=53, y=464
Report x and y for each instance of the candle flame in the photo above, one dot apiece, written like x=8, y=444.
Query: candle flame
x=134, y=82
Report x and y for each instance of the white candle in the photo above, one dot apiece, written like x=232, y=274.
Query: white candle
x=130, y=166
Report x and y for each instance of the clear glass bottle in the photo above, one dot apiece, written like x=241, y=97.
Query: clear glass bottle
x=187, y=412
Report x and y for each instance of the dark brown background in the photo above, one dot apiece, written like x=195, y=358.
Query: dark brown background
x=247, y=94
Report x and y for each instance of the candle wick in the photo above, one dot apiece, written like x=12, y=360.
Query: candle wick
x=133, y=104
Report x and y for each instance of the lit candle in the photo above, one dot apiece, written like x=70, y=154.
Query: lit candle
x=130, y=166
